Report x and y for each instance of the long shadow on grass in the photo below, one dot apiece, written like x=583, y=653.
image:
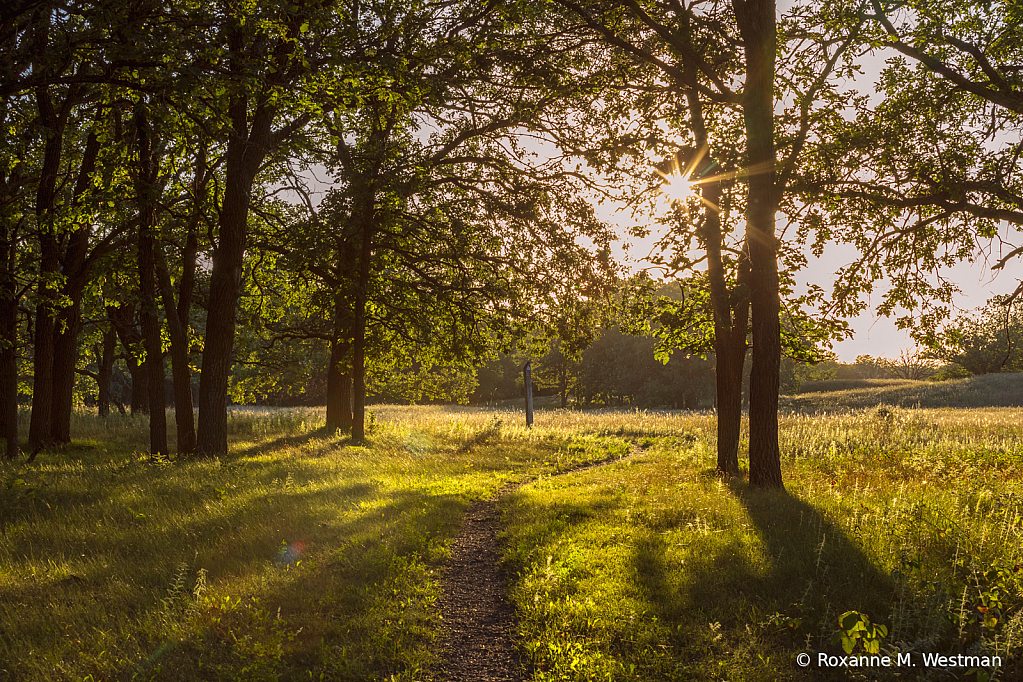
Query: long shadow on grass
x=356, y=607
x=295, y=440
x=797, y=562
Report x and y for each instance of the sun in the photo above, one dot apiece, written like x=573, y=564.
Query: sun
x=676, y=188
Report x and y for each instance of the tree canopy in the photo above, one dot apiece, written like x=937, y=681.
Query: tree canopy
x=154, y=199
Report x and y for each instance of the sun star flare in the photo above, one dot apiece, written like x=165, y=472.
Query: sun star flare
x=677, y=189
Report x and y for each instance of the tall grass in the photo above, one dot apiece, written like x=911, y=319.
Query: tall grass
x=657, y=570
x=297, y=555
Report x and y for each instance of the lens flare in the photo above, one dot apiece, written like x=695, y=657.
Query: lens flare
x=677, y=189
x=288, y=555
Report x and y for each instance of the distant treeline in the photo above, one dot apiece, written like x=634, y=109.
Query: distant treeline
x=615, y=369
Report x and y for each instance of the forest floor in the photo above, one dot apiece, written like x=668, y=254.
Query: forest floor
x=300, y=556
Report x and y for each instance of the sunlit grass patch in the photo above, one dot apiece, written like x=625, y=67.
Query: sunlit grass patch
x=299, y=553
x=296, y=553
x=647, y=569
x=203, y=568
x=657, y=570
x=988, y=390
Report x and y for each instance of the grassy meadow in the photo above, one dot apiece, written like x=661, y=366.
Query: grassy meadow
x=302, y=557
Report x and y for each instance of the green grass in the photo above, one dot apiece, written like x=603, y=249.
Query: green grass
x=654, y=569
x=300, y=556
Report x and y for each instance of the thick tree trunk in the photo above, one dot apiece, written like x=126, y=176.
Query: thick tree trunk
x=65, y=359
x=39, y=431
x=339, y=389
x=245, y=153
x=359, y=332
x=9, y=355
x=225, y=285
x=104, y=377
x=139, y=386
x=153, y=365
x=756, y=19
x=74, y=267
x=12, y=185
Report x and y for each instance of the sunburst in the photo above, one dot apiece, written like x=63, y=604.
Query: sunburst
x=677, y=189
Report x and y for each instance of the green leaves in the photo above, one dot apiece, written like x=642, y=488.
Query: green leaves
x=855, y=627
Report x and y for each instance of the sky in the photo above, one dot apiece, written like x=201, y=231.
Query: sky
x=872, y=334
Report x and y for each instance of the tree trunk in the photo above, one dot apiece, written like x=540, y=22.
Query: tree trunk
x=728, y=370
x=74, y=267
x=65, y=359
x=245, y=152
x=756, y=19
x=729, y=325
x=359, y=330
x=147, y=191
x=9, y=353
x=180, y=373
x=104, y=377
x=178, y=316
x=563, y=383
x=225, y=285
x=339, y=389
x=39, y=432
x=123, y=320
x=153, y=365
x=139, y=386
x=730, y=355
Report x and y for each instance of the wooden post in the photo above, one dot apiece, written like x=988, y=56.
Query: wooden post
x=527, y=372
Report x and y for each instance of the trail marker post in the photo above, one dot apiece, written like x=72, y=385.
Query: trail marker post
x=527, y=373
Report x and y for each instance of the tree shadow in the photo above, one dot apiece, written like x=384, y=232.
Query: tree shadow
x=288, y=441
x=777, y=588
x=358, y=611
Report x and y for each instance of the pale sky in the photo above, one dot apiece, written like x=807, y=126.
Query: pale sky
x=873, y=335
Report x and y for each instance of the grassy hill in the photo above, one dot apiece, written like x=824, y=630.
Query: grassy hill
x=991, y=390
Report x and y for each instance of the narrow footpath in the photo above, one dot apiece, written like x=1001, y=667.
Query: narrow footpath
x=477, y=641
x=478, y=626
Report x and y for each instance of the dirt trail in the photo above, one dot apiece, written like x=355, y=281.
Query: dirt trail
x=478, y=622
